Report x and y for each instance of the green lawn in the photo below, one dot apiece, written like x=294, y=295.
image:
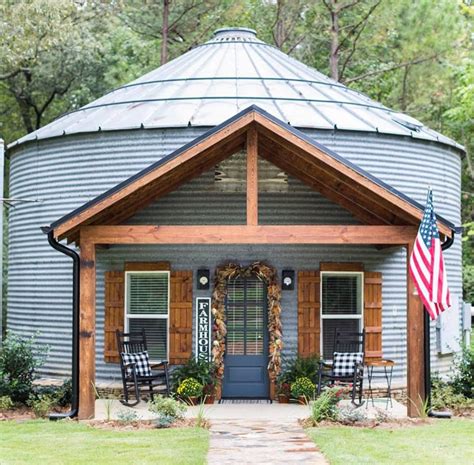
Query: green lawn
x=71, y=443
x=444, y=442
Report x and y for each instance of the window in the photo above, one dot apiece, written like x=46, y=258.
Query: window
x=147, y=307
x=341, y=306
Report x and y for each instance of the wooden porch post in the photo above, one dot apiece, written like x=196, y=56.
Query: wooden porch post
x=415, y=347
x=87, y=331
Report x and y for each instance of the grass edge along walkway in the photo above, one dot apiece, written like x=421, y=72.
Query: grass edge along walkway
x=441, y=442
x=73, y=443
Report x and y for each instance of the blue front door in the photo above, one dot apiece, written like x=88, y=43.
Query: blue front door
x=246, y=357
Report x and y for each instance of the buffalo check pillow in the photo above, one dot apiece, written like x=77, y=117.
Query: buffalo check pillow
x=142, y=363
x=343, y=362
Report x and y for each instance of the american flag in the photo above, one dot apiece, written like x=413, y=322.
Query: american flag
x=427, y=265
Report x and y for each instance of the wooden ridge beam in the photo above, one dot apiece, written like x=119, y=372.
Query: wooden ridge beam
x=252, y=176
x=249, y=234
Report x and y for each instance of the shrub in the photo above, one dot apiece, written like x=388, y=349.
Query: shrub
x=302, y=367
x=190, y=387
x=444, y=395
x=168, y=409
x=127, y=416
x=18, y=362
x=41, y=405
x=62, y=395
x=350, y=415
x=6, y=403
x=302, y=387
x=325, y=406
x=463, y=381
x=200, y=370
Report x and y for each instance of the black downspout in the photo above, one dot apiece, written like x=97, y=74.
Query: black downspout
x=75, y=324
x=427, y=350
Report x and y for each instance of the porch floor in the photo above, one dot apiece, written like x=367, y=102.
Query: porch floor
x=241, y=411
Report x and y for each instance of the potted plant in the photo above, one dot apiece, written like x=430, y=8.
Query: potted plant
x=302, y=389
x=209, y=392
x=284, y=392
x=190, y=389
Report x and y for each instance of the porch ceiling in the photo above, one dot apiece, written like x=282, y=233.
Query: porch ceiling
x=369, y=199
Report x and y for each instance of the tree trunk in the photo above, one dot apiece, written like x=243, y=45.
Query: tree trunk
x=25, y=114
x=279, y=26
x=164, y=32
x=334, y=55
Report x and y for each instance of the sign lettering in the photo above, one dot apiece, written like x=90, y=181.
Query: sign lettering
x=203, y=328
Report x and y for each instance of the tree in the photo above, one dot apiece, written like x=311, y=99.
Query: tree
x=345, y=38
x=176, y=25
x=48, y=48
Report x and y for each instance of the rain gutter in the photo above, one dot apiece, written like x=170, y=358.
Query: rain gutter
x=75, y=324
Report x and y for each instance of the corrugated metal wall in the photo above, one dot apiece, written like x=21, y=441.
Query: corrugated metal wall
x=65, y=172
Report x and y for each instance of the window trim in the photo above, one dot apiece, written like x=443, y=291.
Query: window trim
x=127, y=316
x=359, y=316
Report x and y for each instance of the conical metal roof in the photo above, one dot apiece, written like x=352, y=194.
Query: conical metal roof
x=225, y=75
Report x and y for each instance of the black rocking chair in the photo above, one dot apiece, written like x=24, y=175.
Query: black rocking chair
x=351, y=344
x=157, y=382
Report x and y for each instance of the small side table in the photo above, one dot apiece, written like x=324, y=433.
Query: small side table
x=387, y=366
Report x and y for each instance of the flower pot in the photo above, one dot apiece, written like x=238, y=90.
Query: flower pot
x=302, y=400
x=210, y=399
x=193, y=400
x=283, y=399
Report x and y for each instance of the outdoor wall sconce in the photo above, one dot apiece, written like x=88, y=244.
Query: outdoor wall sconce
x=203, y=279
x=287, y=280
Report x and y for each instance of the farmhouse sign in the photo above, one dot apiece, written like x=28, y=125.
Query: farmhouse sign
x=203, y=328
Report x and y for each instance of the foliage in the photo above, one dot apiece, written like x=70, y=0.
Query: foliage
x=6, y=403
x=41, y=405
x=350, y=415
x=168, y=409
x=441, y=442
x=190, y=387
x=200, y=370
x=127, y=416
x=301, y=367
x=62, y=395
x=463, y=381
x=302, y=387
x=18, y=362
x=76, y=443
x=284, y=388
x=325, y=406
x=443, y=395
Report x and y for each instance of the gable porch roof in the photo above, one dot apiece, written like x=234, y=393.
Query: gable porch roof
x=368, y=198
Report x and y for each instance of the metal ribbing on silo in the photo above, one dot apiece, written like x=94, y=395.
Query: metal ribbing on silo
x=64, y=173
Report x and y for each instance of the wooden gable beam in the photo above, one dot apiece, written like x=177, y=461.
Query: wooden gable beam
x=212, y=143
x=252, y=176
x=370, y=189
x=360, y=212
x=249, y=234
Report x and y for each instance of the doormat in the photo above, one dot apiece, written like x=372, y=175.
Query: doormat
x=245, y=401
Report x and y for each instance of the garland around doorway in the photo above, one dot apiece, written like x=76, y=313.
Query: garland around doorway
x=269, y=276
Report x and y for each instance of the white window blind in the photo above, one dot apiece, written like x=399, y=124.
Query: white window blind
x=147, y=307
x=341, y=307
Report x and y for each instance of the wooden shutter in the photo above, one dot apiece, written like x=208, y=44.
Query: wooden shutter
x=181, y=316
x=373, y=314
x=309, y=327
x=114, y=313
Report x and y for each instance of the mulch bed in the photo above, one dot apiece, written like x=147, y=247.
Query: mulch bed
x=117, y=425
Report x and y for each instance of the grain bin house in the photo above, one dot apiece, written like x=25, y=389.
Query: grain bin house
x=233, y=153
